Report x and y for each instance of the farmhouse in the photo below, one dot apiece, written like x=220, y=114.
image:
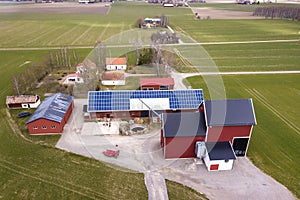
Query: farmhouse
x=151, y=22
x=23, y=101
x=116, y=64
x=180, y=132
x=230, y=120
x=113, y=78
x=156, y=83
x=71, y=79
x=52, y=115
x=139, y=103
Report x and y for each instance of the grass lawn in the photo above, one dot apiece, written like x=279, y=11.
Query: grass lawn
x=274, y=145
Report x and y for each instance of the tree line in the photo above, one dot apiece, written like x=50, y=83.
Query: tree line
x=28, y=80
x=286, y=12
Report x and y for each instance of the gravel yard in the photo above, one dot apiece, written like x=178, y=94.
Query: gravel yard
x=142, y=153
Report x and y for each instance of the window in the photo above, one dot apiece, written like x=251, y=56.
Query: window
x=44, y=127
x=53, y=127
x=35, y=127
x=164, y=87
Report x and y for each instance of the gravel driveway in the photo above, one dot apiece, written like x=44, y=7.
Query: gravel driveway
x=142, y=153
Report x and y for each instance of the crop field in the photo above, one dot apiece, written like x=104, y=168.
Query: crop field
x=38, y=30
x=255, y=57
x=31, y=171
x=274, y=145
x=236, y=7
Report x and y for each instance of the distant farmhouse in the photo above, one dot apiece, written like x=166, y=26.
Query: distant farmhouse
x=113, y=78
x=23, y=101
x=116, y=64
x=72, y=79
x=52, y=115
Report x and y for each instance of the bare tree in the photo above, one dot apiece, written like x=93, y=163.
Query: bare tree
x=139, y=22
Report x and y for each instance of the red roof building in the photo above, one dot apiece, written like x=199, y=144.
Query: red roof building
x=116, y=64
x=156, y=83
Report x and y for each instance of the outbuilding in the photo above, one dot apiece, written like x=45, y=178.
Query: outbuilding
x=116, y=64
x=219, y=156
x=156, y=83
x=113, y=78
x=52, y=115
x=71, y=79
x=230, y=121
x=180, y=132
x=23, y=101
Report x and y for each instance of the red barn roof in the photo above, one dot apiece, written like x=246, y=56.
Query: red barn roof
x=156, y=81
x=116, y=61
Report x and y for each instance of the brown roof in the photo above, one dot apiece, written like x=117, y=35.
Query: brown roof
x=22, y=99
x=113, y=75
x=156, y=81
x=116, y=61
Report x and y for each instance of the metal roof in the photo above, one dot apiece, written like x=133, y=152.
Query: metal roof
x=184, y=124
x=232, y=112
x=220, y=151
x=53, y=108
x=126, y=100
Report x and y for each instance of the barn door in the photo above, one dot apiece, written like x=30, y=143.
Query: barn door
x=240, y=146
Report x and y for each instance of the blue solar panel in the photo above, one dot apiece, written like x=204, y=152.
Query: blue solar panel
x=120, y=100
x=53, y=108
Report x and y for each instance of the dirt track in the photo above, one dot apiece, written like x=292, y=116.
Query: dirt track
x=56, y=8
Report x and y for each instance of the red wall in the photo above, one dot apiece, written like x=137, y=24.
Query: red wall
x=119, y=114
x=181, y=147
x=156, y=87
x=227, y=133
x=44, y=122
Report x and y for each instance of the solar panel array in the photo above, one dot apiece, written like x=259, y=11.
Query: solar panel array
x=120, y=100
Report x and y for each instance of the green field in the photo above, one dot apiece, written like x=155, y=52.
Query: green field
x=237, y=7
x=274, y=145
x=31, y=171
x=255, y=57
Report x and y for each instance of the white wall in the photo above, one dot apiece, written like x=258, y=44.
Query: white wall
x=113, y=82
x=116, y=67
x=222, y=164
x=35, y=105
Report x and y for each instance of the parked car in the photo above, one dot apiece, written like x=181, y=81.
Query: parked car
x=23, y=114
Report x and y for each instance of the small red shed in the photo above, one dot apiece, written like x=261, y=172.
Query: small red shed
x=180, y=132
x=156, y=83
x=230, y=120
x=52, y=115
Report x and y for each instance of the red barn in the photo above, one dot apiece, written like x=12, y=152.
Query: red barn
x=180, y=132
x=230, y=120
x=156, y=83
x=52, y=115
